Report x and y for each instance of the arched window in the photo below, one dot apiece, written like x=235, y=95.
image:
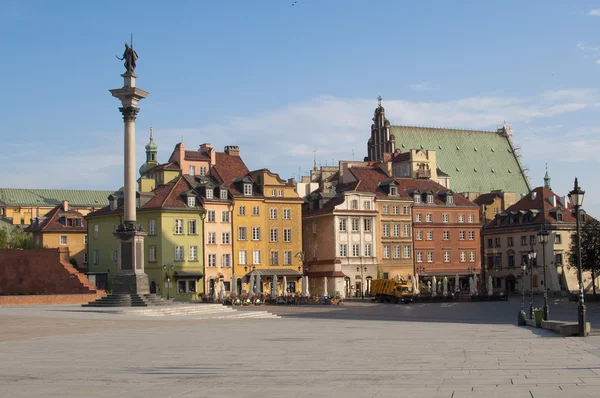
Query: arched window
x=152, y=287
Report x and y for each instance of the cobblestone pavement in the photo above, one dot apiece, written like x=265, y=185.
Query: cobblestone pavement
x=310, y=352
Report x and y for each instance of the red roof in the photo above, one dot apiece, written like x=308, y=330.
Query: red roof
x=55, y=221
x=196, y=155
x=227, y=169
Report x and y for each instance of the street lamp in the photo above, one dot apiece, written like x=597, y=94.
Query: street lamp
x=576, y=198
x=543, y=239
x=168, y=272
x=522, y=312
x=362, y=281
x=531, y=255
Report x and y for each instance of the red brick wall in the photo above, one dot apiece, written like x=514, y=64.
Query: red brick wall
x=40, y=271
x=43, y=299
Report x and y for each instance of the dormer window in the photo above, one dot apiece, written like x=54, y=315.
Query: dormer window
x=224, y=194
x=429, y=198
x=191, y=201
x=393, y=191
x=511, y=220
x=209, y=193
x=449, y=199
x=354, y=204
x=248, y=189
x=202, y=170
x=192, y=170
x=417, y=198
x=559, y=216
x=367, y=205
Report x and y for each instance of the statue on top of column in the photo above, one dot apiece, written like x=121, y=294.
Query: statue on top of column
x=130, y=56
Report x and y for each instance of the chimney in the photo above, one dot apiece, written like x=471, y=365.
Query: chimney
x=65, y=205
x=533, y=195
x=553, y=200
x=204, y=147
x=563, y=201
x=232, y=150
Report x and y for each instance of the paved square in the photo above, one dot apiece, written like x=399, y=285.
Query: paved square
x=355, y=350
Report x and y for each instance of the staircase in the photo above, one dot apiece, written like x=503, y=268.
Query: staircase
x=129, y=300
x=190, y=311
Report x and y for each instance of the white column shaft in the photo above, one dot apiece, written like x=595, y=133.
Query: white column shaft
x=130, y=190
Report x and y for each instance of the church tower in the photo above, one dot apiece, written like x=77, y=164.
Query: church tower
x=547, y=180
x=381, y=140
x=151, y=155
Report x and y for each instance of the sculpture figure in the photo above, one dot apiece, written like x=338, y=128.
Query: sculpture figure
x=130, y=56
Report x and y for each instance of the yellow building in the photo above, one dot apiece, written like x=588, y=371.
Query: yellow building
x=62, y=227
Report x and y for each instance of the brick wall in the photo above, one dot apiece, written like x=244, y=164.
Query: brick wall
x=48, y=299
x=40, y=271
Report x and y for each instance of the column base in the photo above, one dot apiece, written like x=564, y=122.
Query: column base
x=130, y=283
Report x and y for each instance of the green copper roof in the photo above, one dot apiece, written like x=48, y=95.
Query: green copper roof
x=477, y=161
x=52, y=197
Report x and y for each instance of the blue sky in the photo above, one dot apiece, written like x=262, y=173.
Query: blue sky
x=278, y=80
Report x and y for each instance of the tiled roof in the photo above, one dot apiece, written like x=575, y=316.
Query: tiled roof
x=487, y=198
x=53, y=197
x=477, y=161
x=227, y=169
x=51, y=221
x=165, y=166
x=196, y=155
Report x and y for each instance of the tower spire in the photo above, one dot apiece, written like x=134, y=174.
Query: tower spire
x=314, y=158
x=547, y=179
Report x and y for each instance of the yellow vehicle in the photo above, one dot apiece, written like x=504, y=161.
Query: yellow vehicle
x=386, y=290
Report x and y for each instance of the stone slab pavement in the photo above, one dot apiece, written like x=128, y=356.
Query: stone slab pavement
x=56, y=352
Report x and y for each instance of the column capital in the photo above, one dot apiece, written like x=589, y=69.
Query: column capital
x=129, y=113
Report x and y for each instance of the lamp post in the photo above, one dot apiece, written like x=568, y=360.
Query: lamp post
x=522, y=312
x=531, y=256
x=362, y=282
x=576, y=198
x=168, y=272
x=543, y=239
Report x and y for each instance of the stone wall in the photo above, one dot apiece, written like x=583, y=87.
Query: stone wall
x=49, y=299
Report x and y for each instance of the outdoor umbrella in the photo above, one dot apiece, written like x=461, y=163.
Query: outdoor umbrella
x=434, y=286
x=257, y=286
x=471, y=289
x=274, y=287
x=416, y=284
x=474, y=283
x=456, y=284
x=445, y=286
x=324, y=286
x=221, y=291
x=251, y=286
x=284, y=286
x=490, y=287
x=306, y=291
x=216, y=291
x=234, y=291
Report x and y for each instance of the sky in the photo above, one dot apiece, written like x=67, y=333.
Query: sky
x=279, y=80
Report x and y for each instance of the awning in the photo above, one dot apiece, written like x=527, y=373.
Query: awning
x=188, y=275
x=277, y=272
x=329, y=274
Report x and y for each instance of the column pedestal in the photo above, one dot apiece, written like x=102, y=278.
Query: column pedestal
x=131, y=278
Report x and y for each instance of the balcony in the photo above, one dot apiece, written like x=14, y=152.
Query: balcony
x=423, y=173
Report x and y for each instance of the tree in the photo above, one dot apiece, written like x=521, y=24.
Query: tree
x=590, y=248
x=22, y=240
x=3, y=239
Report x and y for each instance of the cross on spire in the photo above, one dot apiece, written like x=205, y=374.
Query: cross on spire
x=379, y=100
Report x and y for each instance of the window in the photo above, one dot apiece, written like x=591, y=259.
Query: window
x=532, y=239
x=248, y=189
x=557, y=239
x=343, y=250
x=114, y=256
x=558, y=259
x=367, y=205
x=342, y=225
x=490, y=243
x=242, y=211
x=256, y=257
x=396, y=230
x=287, y=257
x=396, y=210
x=355, y=250
x=274, y=235
x=407, y=251
x=386, y=230
x=255, y=233
x=152, y=228
x=498, y=261
x=193, y=256
x=497, y=242
x=510, y=241
x=202, y=170
x=429, y=217
x=96, y=256
x=192, y=170
x=419, y=217
x=559, y=216
x=211, y=238
x=273, y=213
x=446, y=235
x=354, y=204
x=419, y=235
x=255, y=211
x=178, y=253
x=186, y=286
x=274, y=258
x=63, y=240
x=445, y=217
x=225, y=216
x=471, y=218
x=367, y=224
x=429, y=235
x=280, y=193
x=242, y=233
x=429, y=199
x=178, y=227
x=471, y=235
x=209, y=193
x=419, y=257
x=212, y=260
x=429, y=257
x=192, y=227
x=226, y=260
x=191, y=201
x=273, y=192
x=225, y=238
x=152, y=253
x=393, y=191
x=523, y=241
x=355, y=224
x=368, y=250
x=242, y=257
x=417, y=198
x=287, y=214
x=461, y=235
x=287, y=234
x=463, y=257
x=406, y=210
x=386, y=251
x=449, y=199
x=406, y=230
x=446, y=257
x=85, y=240
x=224, y=194
x=210, y=216
x=385, y=209
x=96, y=228
x=397, y=251
x=85, y=258
x=511, y=259
x=461, y=218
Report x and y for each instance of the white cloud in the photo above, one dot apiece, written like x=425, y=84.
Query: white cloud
x=598, y=61
x=423, y=86
x=594, y=13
